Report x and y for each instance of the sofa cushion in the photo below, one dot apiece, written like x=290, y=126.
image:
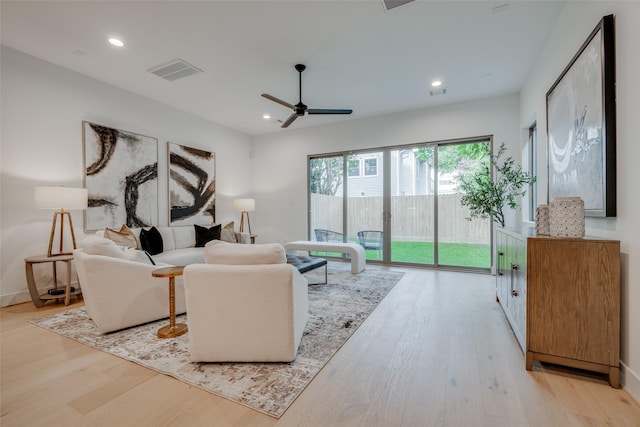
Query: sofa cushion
x=96, y=245
x=184, y=256
x=205, y=235
x=184, y=237
x=151, y=240
x=122, y=237
x=219, y=252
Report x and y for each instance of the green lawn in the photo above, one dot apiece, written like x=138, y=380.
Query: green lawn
x=455, y=254
x=458, y=254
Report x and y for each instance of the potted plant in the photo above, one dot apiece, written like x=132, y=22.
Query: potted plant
x=486, y=197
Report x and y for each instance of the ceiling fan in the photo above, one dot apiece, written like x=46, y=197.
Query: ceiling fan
x=300, y=109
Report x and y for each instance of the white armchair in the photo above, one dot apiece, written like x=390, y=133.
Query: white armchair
x=245, y=313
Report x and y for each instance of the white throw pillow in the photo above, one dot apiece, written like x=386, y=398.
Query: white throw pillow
x=95, y=245
x=219, y=252
x=184, y=236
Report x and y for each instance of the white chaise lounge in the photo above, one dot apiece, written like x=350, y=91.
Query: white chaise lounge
x=358, y=258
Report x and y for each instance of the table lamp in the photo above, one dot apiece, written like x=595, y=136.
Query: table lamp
x=246, y=206
x=62, y=199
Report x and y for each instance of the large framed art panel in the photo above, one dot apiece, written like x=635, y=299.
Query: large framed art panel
x=192, y=185
x=121, y=177
x=581, y=125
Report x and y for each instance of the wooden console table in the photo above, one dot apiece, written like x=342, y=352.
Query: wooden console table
x=40, y=299
x=561, y=297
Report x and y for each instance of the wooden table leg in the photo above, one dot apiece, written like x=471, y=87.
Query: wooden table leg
x=55, y=278
x=614, y=377
x=173, y=330
x=31, y=284
x=67, y=298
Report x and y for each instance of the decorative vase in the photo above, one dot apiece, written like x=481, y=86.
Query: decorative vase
x=542, y=220
x=566, y=217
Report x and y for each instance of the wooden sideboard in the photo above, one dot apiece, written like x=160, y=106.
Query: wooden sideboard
x=562, y=299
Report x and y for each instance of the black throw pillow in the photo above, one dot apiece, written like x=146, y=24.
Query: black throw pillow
x=151, y=241
x=204, y=234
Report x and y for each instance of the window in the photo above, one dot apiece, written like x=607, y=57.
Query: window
x=532, y=164
x=371, y=167
x=353, y=167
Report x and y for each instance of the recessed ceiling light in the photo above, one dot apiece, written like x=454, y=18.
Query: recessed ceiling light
x=266, y=117
x=436, y=83
x=116, y=42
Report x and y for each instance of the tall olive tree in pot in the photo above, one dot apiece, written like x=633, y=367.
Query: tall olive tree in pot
x=486, y=198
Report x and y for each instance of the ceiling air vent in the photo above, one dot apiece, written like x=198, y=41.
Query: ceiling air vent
x=174, y=70
x=392, y=4
x=435, y=92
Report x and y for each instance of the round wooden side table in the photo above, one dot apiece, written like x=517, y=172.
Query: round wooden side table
x=40, y=299
x=173, y=329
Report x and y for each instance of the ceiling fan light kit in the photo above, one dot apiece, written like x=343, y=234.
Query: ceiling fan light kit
x=300, y=109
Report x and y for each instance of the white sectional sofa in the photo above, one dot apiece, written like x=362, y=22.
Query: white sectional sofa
x=119, y=293
x=179, y=244
x=117, y=286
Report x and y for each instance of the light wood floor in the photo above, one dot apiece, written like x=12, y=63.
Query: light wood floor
x=436, y=352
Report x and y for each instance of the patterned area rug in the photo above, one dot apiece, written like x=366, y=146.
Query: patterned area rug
x=336, y=310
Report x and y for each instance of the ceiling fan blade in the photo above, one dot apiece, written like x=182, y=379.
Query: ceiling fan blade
x=279, y=101
x=289, y=120
x=328, y=111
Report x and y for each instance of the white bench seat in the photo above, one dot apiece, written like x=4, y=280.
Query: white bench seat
x=358, y=258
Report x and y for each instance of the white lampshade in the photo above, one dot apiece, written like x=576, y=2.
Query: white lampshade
x=60, y=198
x=246, y=205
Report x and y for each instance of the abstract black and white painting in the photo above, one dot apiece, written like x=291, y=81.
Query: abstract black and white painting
x=581, y=126
x=121, y=177
x=192, y=185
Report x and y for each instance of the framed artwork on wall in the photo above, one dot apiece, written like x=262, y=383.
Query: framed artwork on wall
x=192, y=185
x=121, y=177
x=581, y=125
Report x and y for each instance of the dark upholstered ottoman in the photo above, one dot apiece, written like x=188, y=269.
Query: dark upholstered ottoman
x=307, y=263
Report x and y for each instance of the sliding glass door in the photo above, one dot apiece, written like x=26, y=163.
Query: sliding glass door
x=365, y=197
x=461, y=242
x=412, y=214
x=401, y=203
x=326, y=207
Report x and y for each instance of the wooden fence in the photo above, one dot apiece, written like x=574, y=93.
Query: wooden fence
x=411, y=218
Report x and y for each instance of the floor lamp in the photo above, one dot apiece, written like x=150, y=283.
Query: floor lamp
x=246, y=206
x=62, y=199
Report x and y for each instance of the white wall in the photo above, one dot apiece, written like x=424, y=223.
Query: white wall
x=280, y=159
x=574, y=25
x=43, y=106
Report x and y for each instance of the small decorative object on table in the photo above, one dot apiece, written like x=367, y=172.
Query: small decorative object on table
x=542, y=220
x=566, y=217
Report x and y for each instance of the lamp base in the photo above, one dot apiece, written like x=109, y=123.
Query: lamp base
x=62, y=213
x=242, y=217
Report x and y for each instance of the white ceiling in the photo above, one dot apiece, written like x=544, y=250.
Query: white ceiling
x=358, y=55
